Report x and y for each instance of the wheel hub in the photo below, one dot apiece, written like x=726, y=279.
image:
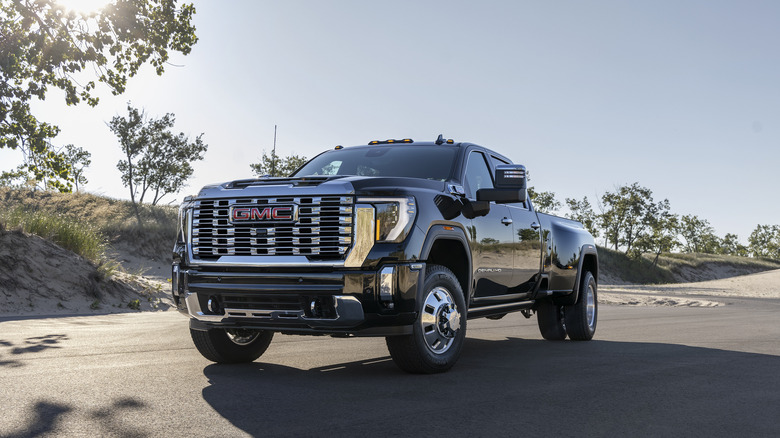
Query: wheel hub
x=242, y=336
x=449, y=321
x=440, y=320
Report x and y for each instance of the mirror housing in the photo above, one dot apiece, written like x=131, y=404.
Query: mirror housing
x=511, y=184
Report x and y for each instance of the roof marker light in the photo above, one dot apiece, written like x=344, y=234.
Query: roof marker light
x=390, y=141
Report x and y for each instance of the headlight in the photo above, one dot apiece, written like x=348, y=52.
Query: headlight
x=394, y=217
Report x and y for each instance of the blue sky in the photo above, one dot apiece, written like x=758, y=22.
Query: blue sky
x=680, y=96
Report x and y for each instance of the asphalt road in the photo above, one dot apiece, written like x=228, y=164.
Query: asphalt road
x=650, y=371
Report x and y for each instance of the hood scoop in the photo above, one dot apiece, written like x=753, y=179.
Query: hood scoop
x=308, y=181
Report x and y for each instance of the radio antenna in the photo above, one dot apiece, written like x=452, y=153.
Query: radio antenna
x=273, y=156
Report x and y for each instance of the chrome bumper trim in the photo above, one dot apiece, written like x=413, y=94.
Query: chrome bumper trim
x=349, y=313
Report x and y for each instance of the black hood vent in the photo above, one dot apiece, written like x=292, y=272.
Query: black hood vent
x=307, y=181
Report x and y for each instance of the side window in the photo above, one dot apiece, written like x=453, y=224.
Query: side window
x=477, y=175
x=497, y=161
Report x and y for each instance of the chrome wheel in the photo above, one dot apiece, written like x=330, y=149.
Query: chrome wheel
x=581, y=317
x=590, y=306
x=242, y=336
x=440, y=320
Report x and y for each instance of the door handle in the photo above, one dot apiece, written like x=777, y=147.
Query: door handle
x=506, y=221
x=535, y=226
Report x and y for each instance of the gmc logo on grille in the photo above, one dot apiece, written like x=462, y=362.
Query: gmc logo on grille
x=280, y=213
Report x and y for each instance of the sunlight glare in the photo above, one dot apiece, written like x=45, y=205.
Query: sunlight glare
x=83, y=6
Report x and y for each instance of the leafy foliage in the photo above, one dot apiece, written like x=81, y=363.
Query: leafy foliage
x=157, y=162
x=273, y=165
x=43, y=45
x=581, y=211
x=764, y=241
x=544, y=202
x=662, y=234
x=33, y=173
x=77, y=159
x=698, y=234
x=627, y=213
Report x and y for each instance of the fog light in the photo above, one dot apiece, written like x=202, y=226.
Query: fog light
x=386, y=285
x=213, y=305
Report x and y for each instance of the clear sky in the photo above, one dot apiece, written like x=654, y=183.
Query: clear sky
x=680, y=96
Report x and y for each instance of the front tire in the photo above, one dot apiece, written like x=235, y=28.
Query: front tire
x=231, y=345
x=440, y=330
x=581, y=316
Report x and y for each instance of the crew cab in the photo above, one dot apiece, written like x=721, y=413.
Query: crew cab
x=400, y=239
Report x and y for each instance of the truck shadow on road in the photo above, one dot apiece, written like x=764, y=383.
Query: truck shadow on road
x=579, y=388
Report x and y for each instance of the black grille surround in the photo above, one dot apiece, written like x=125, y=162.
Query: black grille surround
x=322, y=230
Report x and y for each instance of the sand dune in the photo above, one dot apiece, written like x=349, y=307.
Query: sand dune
x=704, y=293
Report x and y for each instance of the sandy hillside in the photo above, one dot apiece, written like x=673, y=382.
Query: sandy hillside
x=705, y=293
x=38, y=277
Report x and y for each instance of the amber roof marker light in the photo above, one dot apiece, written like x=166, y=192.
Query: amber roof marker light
x=441, y=140
x=390, y=141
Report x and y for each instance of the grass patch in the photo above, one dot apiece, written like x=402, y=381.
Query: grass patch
x=679, y=267
x=633, y=270
x=65, y=231
x=114, y=219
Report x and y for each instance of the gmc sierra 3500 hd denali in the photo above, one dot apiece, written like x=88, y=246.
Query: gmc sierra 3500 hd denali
x=400, y=239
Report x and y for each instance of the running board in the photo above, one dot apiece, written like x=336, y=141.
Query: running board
x=481, y=312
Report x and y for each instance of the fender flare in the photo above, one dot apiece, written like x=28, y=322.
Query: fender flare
x=586, y=250
x=438, y=232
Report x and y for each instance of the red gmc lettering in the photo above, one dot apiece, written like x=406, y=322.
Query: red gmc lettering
x=240, y=214
x=260, y=215
x=257, y=214
x=282, y=213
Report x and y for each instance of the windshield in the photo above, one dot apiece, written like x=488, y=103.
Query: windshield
x=427, y=162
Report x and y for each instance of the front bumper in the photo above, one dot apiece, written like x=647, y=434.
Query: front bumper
x=299, y=300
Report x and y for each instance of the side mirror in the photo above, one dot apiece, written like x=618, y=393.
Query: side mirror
x=510, y=185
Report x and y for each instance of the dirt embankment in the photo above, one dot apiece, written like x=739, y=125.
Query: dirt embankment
x=711, y=293
x=38, y=277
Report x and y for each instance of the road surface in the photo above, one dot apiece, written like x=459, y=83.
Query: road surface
x=650, y=371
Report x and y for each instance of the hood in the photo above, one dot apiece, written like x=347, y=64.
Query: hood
x=318, y=186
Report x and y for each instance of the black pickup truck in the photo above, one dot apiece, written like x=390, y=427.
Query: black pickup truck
x=401, y=239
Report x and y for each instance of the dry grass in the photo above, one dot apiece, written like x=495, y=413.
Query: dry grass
x=678, y=268
x=114, y=219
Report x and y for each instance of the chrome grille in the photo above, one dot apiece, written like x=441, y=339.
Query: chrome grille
x=323, y=229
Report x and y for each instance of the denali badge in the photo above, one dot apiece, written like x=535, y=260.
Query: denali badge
x=267, y=213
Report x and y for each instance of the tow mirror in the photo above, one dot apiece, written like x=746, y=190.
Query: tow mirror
x=510, y=185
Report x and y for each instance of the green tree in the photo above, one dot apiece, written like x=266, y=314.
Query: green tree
x=157, y=162
x=730, y=245
x=698, y=234
x=32, y=173
x=626, y=215
x=663, y=232
x=544, y=202
x=764, y=241
x=273, y=165
x=581, y=211
x=77, y=159
x=43, y=45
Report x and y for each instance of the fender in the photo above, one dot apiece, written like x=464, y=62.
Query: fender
x=453, y=231
x=586, y=249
